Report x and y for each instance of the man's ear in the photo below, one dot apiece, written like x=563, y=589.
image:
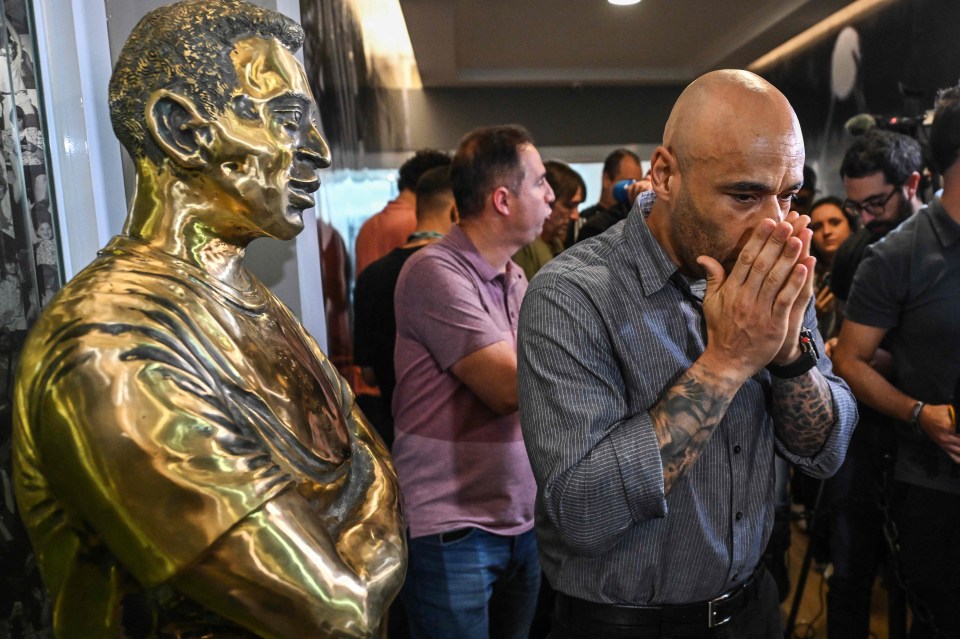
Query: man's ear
x=501, y=200
x=912, y=183
x=178, y=128
x=663, y=174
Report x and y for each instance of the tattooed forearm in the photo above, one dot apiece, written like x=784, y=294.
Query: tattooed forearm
x=685, y=417
x=803, y=412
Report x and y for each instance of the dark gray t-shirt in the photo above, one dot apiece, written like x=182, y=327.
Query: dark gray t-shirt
x=909, y=283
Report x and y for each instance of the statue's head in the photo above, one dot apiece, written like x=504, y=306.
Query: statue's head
x=210, y=91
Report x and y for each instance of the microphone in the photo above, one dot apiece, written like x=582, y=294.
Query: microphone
x=620, y=193
x=863, y=122
x=860, y=124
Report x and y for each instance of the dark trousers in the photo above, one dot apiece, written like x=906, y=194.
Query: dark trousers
x=760, y=619
x=928, y=523
x=857, y=545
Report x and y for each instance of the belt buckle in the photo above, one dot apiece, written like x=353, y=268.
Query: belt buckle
x=712, y=612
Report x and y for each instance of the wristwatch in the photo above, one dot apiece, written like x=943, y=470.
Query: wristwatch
x=807, y=360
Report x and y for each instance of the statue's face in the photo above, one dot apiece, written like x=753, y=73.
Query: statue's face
x=267, y=148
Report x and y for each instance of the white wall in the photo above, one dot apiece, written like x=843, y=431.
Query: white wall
x=74, y=63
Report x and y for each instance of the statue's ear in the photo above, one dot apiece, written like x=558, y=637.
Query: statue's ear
x=178, y=128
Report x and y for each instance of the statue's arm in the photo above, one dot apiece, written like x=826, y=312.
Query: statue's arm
x=372, y=537
x=140, y=444
x=280, y=574
x=324, y=559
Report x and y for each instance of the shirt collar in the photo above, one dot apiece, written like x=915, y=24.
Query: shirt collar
x=947, y=230
x=654, y=267
x=464, y=248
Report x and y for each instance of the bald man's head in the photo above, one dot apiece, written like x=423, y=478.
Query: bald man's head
x=724, y=112
x=732, y=155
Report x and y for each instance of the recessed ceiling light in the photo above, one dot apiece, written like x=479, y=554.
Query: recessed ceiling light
x=623, y=2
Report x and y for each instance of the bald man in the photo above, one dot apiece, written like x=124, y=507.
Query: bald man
x=652, y=432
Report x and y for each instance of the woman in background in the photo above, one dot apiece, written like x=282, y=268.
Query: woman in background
x=831, y=226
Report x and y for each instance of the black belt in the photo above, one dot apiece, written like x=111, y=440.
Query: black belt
x=705, y=614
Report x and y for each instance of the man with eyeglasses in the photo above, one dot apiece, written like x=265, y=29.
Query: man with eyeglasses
x=904, y=297
x=881, y=176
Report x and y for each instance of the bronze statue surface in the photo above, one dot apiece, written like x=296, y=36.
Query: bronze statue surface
x=187, y=461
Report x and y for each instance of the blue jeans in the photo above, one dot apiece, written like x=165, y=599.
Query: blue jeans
x=471, y=585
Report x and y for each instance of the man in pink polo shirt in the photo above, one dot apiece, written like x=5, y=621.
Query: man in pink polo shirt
x=468, y=488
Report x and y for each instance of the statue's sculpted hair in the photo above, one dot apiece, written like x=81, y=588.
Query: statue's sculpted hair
x=185, y=47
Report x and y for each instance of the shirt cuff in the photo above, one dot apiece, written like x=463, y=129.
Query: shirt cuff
x=827, y=461
x=638, y=457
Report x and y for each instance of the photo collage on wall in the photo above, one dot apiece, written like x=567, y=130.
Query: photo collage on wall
x=30, y=274
x=29, y=266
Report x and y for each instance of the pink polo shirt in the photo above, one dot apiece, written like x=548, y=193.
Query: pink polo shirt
x=460, y=463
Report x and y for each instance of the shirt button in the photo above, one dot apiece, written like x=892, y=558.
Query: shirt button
x=738, y=516
x=737, y=449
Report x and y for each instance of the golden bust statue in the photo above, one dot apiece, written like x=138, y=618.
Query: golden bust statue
x=187, y=461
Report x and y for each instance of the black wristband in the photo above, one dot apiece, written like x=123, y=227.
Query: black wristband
x=807, y=360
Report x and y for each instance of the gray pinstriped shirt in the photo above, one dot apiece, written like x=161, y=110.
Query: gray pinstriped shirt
x=603, y=334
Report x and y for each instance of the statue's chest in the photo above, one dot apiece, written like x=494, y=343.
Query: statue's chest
x=292, y=383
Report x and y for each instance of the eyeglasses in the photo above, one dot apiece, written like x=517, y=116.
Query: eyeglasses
x=872, y=206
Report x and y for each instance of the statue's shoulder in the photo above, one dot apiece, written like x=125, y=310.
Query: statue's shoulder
x=121, y=300
x=130, y=278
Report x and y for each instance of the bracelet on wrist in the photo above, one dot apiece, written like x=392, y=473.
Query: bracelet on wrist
x=915, y=417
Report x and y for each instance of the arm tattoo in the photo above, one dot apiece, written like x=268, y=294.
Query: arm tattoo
x=684, y=419
x=803, y=412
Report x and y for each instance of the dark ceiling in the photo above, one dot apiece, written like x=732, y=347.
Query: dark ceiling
x=461, y=43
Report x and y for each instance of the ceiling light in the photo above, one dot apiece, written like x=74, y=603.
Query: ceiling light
x=623, y=2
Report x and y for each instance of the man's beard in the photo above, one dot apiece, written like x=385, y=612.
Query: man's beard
x=693, y=235
x=882, y=227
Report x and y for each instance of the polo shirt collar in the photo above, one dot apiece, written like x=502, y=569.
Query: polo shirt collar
x=465, y=249
x=948, y=231
x=654, y=267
